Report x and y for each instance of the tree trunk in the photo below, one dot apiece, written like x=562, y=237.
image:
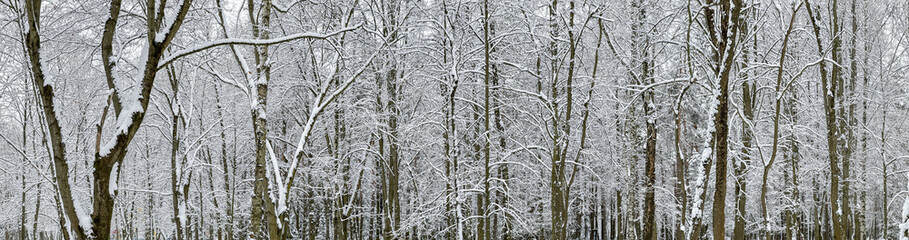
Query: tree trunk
x=176, y=171
x=46, y=92
x=262, y=204
x=838, y=87
x=776, y=133
x=828, y=87
x=483, y=228
x=865, y=87
x=884, y=175
x=23, y=232
x=35, y=232
x=229, y=199
x=641, y=51
x=391, y=205
x=115, y=150
x=740, y=167
x=725, y=51
x=449, y=87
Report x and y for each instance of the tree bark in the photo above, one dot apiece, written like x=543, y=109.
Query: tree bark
x=778, y=97
x=391, y=205
x=449, y=87
x=484, y=231
x=828, y=87
x=115, y=151
x=740, y=168
x=176, y=171
x=262, y=204
x=229, y=199
x=725, y=43
x=641, y=51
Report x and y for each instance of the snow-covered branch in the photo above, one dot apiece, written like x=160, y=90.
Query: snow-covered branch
x=253, y=42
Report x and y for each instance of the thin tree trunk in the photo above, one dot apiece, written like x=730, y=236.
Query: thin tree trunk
x=865, y=87
x=176, y=171
x=776, y=125
x=229, y=211
x=740, y=166
x=853, y=226
x=556, y=203
x=211, y=185
x=35, y=232
x=641, y=43
x=593, y=76
x=23, y=232
x=681, y=168
x=885, y=197
x=828, y=87
x=483, y=225
x=449, y=87
x=391, y=206
x=650, y=228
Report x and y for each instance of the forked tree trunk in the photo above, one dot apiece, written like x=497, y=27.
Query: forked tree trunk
x=778, y=98
x=724, y=39
x=115, y=150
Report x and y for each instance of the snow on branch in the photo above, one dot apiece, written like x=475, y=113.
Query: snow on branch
x=282, y=193
x=324, y=98
x=253, y=42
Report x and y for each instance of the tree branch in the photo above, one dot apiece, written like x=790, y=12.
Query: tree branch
x=251, y=42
